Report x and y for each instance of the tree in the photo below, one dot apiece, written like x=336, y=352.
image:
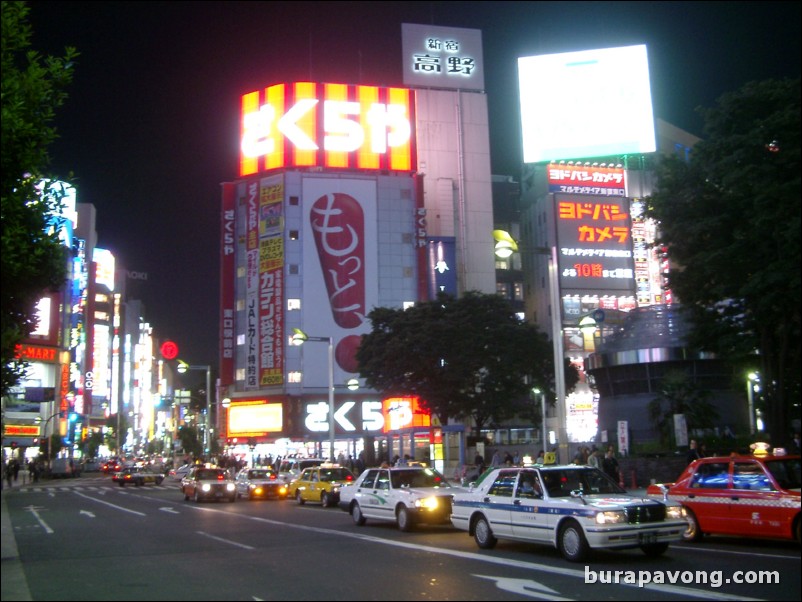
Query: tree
x=467, y=357
x=730, y=219
x=678, y=394
x=33, y=259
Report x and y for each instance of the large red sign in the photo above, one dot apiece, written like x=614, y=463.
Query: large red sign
x=306, y=124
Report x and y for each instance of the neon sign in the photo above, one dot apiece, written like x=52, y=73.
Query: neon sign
x=307, y=124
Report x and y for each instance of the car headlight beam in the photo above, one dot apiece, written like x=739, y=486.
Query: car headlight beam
x=611, y=517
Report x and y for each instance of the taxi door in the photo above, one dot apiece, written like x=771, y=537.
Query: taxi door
x=709, y=496
x=525, y=516
x=497, y=503
x=755, y=504
x=373, y=495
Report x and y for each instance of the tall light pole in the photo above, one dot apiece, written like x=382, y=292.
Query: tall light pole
x=543, y=427
x=183, y=367
x=751, y=378
x=299, y=337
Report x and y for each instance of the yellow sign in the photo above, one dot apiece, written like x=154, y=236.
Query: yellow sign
x=549, y=458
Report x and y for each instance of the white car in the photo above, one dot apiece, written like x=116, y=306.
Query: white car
x=406, y=495
x=573, y=508
x=176, y=474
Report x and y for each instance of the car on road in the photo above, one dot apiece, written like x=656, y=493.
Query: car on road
x=179, y=473
x=573, y=508
x=321, y=484
x=137, y=475
x=406, y=496
x=291, y=468
x=259, y=483
x=204, y=483
x=739, y=495
x=111, y=466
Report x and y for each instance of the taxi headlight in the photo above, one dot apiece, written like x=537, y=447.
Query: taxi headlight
x=206, y=487
x=611, y=517
x=675, y=512
x=335, y=488
x=230, y=487
x=257, y=490
x=427, y=503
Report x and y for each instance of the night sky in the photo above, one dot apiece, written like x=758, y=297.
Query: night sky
x=151, y=126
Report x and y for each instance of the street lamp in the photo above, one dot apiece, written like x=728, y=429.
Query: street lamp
x=537, y=391
x=506, y=246
x=182, y=368
x=751, y=379
x=299, y=337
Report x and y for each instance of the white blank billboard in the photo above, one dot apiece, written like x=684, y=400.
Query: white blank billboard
x=591, y=103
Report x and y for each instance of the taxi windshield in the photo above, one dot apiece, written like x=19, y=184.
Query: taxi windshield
x=560, y=483
x=260, y=474
x=786, y=472
x=418, y=478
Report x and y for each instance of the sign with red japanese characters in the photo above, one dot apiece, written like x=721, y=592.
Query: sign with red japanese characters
x=594, y=244
x=586, y=179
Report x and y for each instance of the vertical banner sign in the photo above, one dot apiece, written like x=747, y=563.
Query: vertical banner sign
x=680, y=430
x=623, y=437
x=252, y=285
x=271, y=281
x=228, y=258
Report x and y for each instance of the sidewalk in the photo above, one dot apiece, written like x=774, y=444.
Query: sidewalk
x=13, y=585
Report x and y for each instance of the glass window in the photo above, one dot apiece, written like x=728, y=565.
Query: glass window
x=528, y=485
x=714, y=475
x=504, y=484
x=750, y=476
x=786, y=472
x=370, y=479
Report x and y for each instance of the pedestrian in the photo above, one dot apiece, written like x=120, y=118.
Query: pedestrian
x=797, y=448
x=496, y=460
x=15, y=464
x=541, y=457
x=507, y=458
x=593, y=459
x=516, y=458
x=693, y=451
x=9, y=474
x=610, y=466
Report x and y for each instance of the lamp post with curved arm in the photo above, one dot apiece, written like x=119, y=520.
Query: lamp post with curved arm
x=299, y=337
x=183, y=367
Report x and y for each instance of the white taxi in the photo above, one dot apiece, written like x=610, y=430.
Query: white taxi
x=405, y=495
x=573, y=508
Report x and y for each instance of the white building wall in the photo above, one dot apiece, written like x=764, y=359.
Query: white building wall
x=454, y=154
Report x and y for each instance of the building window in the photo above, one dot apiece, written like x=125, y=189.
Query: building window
x=294, y=200
x=294, y=234
x=293, y=269
x=293, y=304
x=294, y=377
x=518, y=291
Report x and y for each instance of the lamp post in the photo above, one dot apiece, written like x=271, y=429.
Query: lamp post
x=299, y=337
x=544, y=439
x=183, y=367
x=506, y=246
x=44, y=432
x=751, y=378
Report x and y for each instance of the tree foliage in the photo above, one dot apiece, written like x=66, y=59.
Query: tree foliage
x=467, y=357
x=730, y=219
x=678, y=394
x=33, y=259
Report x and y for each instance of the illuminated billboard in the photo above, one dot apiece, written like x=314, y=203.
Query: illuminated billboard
x=254, y=418
x=592, y=103
x=306, y=124
x=442, y=57
x=594, y=243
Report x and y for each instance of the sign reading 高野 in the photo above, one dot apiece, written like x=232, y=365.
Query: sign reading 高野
x=306, y=124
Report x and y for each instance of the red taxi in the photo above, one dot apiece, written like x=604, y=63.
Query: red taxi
x=749, y=496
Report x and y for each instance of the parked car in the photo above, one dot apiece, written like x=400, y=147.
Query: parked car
x=747, y=496
x=208, y=483
x=137, y=475
x=62, y=468
x=407, y=496
x=259, y=483
x=573, y=508
x=290, y=468
x=321, y=484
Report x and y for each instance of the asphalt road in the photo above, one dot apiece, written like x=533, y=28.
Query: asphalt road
x=88, y=539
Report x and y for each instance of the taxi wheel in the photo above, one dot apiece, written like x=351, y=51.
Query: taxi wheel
x=325, y=499
x=693, y=532
x=572, y=543
x=301, y=501
x=406, y=522
x=483, y=534
x=655, y=549
x=356, y=514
